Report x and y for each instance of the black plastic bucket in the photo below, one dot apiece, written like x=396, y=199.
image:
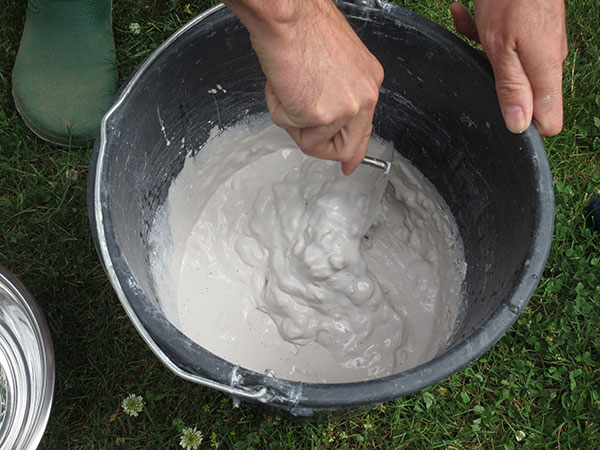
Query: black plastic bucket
x=437, y=104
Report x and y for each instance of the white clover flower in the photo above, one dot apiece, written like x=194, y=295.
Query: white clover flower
x=135, y=28
x=133, y=405
x=520, y=435
x=72, y=174
x=191, y=438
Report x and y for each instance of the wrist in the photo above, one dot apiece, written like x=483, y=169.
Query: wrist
x=275, y=18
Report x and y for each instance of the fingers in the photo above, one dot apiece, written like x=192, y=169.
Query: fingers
x=323, y=82
x=526, y=45
x=346, y=139
x=316, y=141
x=512, y=83
x=547, y=100
x=513, y=87
x=463, y=21
x=276, y=109
x=348, y=144
x=356, y=142
x=545, y=75
x=529, y=85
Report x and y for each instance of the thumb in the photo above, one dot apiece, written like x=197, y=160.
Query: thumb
x=513, y=88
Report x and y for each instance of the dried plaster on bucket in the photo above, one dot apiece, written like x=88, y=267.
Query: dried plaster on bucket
x=263, y=256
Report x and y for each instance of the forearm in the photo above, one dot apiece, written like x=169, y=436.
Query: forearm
x=271, y=16
x=322, y=82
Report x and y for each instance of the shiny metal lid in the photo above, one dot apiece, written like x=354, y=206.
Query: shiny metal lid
x=26, y=367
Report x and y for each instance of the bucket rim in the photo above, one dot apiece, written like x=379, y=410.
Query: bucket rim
x=27, y=402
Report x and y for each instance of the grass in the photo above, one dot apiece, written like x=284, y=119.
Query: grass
x=538, y=388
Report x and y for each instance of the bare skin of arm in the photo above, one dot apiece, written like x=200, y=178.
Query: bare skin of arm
x=526, y=43
x=322, y=82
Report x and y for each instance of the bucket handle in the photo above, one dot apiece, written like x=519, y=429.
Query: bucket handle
x=239, y=392
x=234, y=391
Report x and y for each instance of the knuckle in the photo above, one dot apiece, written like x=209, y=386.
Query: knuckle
x=344, y=154
x=310, y=151
x=371, y=101
x=555, y=61
x=351, y=110
x=277, y=120
x=510, y=89
x=307, y=147
x=494, y=43
x=550, y=127
x=378, y=73
x=564, y=48
x=322, y=116
x=370, y=96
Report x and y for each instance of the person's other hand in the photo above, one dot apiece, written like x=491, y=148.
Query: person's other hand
x=322, y=82
x=526, y=44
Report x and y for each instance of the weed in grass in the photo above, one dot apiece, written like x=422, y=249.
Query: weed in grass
x=191, y=438
x=133, y=405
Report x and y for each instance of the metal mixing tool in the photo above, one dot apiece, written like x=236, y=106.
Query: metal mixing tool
x=379, y=163
x=377, y=188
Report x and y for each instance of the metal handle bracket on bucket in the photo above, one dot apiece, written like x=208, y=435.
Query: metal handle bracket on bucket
x=169, y=364
x=236, y=392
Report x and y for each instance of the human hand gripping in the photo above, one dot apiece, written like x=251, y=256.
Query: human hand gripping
x=322, y=82
x=526, y=44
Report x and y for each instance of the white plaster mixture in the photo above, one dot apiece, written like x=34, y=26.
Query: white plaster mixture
x=264, y=258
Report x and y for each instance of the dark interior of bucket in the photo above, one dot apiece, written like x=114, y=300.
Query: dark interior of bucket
x=437, y=105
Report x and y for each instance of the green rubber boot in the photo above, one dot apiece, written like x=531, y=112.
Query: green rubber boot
x=64, y=76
